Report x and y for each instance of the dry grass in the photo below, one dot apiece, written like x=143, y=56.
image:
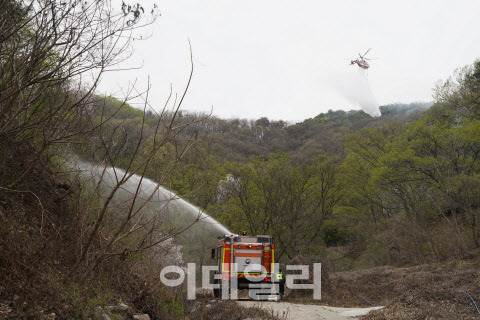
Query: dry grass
x=218, y=310
x=422, y=292
x=39, y=246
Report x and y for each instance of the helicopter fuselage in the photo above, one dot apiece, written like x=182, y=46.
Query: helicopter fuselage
x=361, y=63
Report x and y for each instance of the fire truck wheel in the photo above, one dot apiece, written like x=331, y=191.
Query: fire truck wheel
x=216, y=292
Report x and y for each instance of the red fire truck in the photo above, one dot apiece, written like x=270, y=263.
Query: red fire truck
x=247, y=262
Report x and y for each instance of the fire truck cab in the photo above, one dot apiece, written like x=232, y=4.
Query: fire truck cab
x=249, y=261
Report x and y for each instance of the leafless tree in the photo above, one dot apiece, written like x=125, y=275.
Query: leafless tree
x=135, y=221
x=52, y=56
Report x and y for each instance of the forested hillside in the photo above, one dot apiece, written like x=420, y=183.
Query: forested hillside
x=293, y=181
x=342, y=188
x=238, y=139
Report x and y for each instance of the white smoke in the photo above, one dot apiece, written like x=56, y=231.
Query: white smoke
x=354, y=86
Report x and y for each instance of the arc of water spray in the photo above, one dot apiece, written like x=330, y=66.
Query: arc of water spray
x=154, y=196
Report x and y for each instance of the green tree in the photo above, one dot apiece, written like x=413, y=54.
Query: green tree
x=271, y=195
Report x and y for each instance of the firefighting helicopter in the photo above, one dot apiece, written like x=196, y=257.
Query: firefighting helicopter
x=362, y=61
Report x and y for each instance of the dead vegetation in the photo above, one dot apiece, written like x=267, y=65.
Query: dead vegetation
x=218, y=310
x=59, y=256
x=39, y=245
x=429, y=291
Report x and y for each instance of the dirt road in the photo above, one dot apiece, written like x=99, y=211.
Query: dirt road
x=292, y=311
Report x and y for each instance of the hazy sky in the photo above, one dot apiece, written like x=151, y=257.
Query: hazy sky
x=289, y=59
